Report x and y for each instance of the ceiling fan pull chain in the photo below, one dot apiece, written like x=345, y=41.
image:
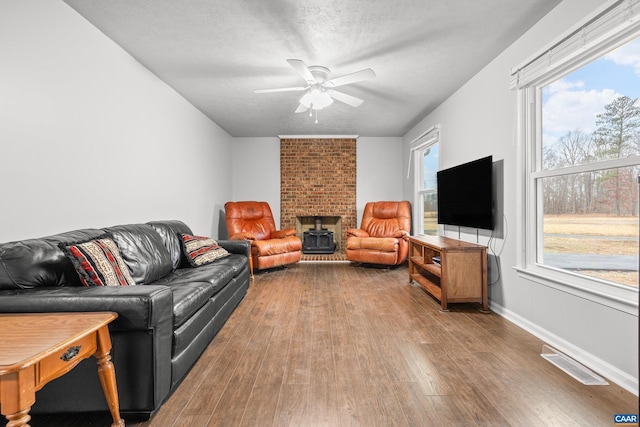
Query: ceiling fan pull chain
x=316, y=116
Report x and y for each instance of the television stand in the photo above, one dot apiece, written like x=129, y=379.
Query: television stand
x=458, y=273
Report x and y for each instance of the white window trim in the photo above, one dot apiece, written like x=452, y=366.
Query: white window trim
x=608, y=33
x=427, y=139
x=614, y=23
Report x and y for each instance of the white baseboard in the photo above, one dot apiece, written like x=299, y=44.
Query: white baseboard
x=592, y=362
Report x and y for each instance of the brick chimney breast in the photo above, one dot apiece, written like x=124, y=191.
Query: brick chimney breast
x=318, y=178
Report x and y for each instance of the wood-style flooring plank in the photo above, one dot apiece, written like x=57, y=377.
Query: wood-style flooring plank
x=293, y=405
x=247, y=368
x=298, y=361
x=263, y=401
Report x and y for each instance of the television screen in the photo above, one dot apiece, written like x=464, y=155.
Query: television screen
x=465, y=194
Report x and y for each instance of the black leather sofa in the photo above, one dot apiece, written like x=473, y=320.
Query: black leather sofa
x=165, y=322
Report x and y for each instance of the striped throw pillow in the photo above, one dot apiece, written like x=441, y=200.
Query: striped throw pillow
x=98, y=263
x=201, y=250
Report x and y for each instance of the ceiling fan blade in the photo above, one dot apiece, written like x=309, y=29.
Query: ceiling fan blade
x=301, y=109
x=302, y=69
x=358, y=76
x=343, y=97
x=282, y=89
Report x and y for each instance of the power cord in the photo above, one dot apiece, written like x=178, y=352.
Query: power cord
x=491, y=243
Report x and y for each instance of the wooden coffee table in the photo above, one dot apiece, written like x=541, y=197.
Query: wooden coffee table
x=37, y=348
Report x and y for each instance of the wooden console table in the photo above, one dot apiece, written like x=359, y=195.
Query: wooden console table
x=461, y=275
x=38, y=348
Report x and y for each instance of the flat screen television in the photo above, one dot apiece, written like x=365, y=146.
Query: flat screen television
x=465, y=194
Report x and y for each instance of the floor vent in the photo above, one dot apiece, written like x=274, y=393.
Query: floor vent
x=571, y=367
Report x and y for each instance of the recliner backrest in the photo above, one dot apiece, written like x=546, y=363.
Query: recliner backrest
x=250, y=216
x=383, y=219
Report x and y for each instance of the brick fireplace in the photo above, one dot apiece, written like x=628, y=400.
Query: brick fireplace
x=318, y=179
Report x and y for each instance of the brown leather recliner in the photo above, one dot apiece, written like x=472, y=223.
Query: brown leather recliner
x=253, y=221
x=383, y=236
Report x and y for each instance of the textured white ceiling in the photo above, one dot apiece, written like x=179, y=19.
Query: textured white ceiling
x=215, y=53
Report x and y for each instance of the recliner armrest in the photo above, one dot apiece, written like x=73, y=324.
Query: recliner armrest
x=281, y=234
x=357, y=232
x=245, y=235
x=401, y=234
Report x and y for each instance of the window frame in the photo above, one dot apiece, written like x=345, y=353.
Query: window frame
x=420, y=145
x=530, y=171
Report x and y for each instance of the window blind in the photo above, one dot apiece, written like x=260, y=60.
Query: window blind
x=614, y=23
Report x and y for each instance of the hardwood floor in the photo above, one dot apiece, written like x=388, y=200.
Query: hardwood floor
x=335, y=344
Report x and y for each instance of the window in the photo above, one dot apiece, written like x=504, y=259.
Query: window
x=425, y=150
x=579, y=116
x=428, y=193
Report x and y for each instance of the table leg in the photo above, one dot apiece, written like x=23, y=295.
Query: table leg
x=444, y=305
x=17, y=395
x=19, y=419
x=107, y=375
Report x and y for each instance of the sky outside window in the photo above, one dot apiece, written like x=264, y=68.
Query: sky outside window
x=574, y=101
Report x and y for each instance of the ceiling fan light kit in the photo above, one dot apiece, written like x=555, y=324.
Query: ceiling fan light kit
x=316, y=98
x=319, y=93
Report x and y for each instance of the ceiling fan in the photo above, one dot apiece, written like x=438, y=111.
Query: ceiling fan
x=320, y=93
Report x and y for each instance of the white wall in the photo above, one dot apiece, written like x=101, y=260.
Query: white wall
x=479, y=120
x=91, y=138
x=379, y=164
x=256, y=171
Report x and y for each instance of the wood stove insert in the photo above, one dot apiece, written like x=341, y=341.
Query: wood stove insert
x=318, y=242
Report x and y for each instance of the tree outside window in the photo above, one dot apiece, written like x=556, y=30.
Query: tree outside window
x=589, y=157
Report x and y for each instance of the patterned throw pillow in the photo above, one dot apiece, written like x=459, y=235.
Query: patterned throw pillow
x=98, y=263
x=201, y=250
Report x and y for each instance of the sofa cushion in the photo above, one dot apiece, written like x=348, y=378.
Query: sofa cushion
x=143, y=251
x=235, y=263
x=217, y=274
x=188, y=298
x=193, y=287
x=201, y=250
x=98, y=263
x=169, y=232
x=35, y=263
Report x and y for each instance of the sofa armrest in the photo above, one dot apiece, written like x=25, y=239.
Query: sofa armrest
x=242, y=247
x=141, y=336
x=141, y=307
